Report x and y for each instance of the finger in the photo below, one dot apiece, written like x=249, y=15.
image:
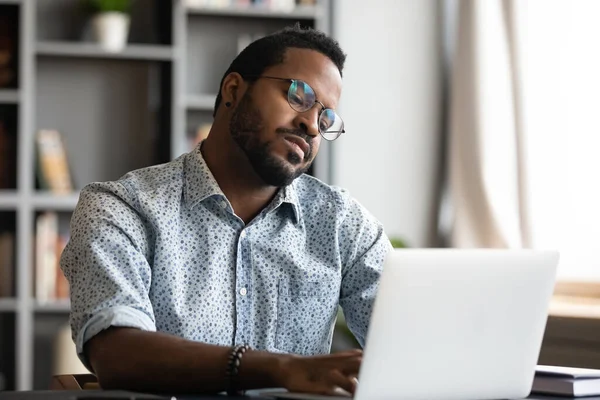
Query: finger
x=347, y=353
x=340, y=355
x=339, y=380
x=350, y=366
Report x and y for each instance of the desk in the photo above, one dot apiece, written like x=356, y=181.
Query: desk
x=106, y=394
x=124, y=395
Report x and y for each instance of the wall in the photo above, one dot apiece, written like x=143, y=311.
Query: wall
x=391, y=105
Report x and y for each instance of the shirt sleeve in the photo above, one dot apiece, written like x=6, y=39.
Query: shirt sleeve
x=365, y=246
x=106, y=264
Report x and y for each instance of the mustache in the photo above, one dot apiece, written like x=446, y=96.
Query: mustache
x=300, y=133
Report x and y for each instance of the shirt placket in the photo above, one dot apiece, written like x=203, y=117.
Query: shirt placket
x=243, y=289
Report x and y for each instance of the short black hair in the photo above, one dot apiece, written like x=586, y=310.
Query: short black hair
x=270, y=50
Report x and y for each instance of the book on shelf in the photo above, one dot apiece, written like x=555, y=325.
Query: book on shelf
x=52, y=166
x=62, y=285
x=50, y=282
x=199, y=135
x=566, y=381
x=7, y=264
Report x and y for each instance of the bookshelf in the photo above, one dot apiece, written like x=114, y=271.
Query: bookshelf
x=115, y=112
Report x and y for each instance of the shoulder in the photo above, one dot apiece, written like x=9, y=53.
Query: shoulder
x=155, y=178
x=317, y=195
x=137, y=186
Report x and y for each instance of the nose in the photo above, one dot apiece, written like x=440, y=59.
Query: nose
x=308, y=121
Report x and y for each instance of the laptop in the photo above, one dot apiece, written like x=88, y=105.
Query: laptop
x=455, y=324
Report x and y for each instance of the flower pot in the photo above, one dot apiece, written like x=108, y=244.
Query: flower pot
x=111, y=30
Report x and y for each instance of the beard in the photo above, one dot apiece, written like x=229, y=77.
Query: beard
x=246, y=128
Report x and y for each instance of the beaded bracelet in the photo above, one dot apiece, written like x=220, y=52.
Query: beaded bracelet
x=233, y=368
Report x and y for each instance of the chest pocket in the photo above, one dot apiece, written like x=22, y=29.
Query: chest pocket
x=306, y=313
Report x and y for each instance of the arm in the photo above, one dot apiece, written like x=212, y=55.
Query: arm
x=125, y=358
x=157, y=362
x=364, y=255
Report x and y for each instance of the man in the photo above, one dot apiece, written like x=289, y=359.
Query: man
x=174, y=267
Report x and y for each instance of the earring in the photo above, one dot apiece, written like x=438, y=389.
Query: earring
x=228, y=104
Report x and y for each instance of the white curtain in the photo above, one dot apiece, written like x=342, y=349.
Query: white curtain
x=524, y=143
x=486, y=166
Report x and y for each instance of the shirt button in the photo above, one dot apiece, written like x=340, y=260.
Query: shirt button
x=223, y=204
x=243, y=291
x=243, y=235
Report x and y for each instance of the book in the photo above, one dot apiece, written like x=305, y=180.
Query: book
x=53, y=168
x=199, y=135
x=62, y=284
x=46, y=257
x=566, y=381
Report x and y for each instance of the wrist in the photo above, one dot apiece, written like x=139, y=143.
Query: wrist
x=279, y=369
x=262, y=369
x=233, y=366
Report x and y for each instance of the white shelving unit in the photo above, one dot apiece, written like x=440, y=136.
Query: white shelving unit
x=132, y=52
x=116, y=112
x=309, y=13
x=8, y=96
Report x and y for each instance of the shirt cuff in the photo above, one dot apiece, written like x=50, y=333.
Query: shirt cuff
x=122, y=316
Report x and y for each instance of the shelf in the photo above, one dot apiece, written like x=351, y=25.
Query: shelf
x=8, y=96
x=91, y=50
x=203, y=102
x=48, y=201
x=57, y=306
x=575, y=307
x=8, y=304
x=9, y=199
x=300, y=12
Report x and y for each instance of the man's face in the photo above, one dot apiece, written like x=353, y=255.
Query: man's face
x=280, y=142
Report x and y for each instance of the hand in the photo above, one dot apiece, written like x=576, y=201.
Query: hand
x=322, y=374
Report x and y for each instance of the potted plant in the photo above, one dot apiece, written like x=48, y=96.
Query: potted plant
x=110, y=22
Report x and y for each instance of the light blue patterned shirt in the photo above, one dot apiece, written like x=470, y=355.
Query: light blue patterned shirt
x=162, y=250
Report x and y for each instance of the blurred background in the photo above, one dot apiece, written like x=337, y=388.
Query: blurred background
x=469, y=124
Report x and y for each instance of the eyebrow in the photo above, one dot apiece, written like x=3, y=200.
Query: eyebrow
x=291, y=80
x=313, y=89
x=316, y=97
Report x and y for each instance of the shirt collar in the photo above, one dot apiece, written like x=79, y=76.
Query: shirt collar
x=288, y=195
x=201, y=184
x=199, y=180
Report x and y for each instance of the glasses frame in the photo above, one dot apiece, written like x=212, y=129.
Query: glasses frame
x=323, y=108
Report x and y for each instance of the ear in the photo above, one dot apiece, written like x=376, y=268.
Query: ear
x=233, y=88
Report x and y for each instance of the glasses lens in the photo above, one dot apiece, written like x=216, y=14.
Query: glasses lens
x=330, y=124
x=301, y=96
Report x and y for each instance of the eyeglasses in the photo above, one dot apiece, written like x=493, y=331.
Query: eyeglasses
x=301, y=97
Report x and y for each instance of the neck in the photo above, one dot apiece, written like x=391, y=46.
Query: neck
x=245, y=190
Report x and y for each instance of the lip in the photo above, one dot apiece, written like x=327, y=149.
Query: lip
x=300, y=143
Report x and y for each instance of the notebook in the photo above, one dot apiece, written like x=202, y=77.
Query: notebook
x=566, y=381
